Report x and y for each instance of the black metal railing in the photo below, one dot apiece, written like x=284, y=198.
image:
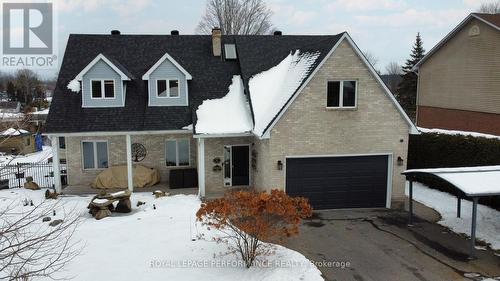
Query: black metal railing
x=42, y=174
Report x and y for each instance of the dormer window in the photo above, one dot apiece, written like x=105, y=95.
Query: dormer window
x=103, y=89
x=168, y=88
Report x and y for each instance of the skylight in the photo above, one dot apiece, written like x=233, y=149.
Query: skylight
x=230, y=51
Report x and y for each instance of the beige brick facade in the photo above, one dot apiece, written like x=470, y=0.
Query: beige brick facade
x=309, y=128
x=155, y=158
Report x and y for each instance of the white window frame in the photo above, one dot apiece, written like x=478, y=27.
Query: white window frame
x=103, y=95
x=177, y=152
x=168, y=88
x=95, y=154
x=341, y=94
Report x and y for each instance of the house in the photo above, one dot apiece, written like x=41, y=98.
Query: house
x=17, y=141
x=459, y=79
x=307, y=114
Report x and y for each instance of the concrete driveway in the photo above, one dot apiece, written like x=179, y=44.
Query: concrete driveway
x=378, y=245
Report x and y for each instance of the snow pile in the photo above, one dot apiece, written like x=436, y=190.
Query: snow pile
x=471, y=180
x=488, y=219
x=74, y=85
x=45, y=111
x=158, y=244
x=270, y=90
x=455, y=132
x=227, y=115
x=13, y=132
x=188, y=127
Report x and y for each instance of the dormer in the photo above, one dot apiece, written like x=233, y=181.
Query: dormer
x=167, y=83
x=103, y=83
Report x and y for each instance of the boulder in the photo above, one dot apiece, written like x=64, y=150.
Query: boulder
x=31, y=185
x=55, y=222
x=46, y=219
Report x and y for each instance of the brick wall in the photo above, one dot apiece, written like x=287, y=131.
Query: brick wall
x=155, y=158
x=308, y=128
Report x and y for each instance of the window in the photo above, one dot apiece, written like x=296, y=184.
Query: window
x=177, y=152
x=172, y=91
x=100, y=87
x=62, y=142
x=341, y=94
x=95, y=154
x=230, y=51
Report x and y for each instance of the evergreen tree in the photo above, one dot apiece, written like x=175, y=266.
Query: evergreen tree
x=407, y=89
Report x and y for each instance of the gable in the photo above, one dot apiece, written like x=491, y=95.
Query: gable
x=99, y=71
x=166, y=70
x=374, y=119
x=346, y=72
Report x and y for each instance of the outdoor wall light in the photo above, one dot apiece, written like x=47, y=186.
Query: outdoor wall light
x=400, y=161
x=280, y=165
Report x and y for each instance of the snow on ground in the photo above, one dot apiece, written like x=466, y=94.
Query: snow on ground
x=456, y=132
x=270, y=90
x=227, y=115
x=45, y=111
x=40, y=173
x=36, y=157
x=157, y=244
x=74, y=85
x=488, y=219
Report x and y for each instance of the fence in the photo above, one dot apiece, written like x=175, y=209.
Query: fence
x=42, y=173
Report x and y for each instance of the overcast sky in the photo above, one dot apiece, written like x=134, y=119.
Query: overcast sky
x=386, y=28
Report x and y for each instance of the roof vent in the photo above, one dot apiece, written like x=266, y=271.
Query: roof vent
x=115, y=32
x=174, y=32
x=278, y=33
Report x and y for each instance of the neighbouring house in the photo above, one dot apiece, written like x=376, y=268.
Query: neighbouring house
x=17, y=141
x=459, y=79
x=307, y=114
x=10, y=107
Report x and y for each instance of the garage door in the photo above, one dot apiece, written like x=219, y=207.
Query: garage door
x=339, y=182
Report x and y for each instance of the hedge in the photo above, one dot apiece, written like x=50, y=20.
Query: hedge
x=431, y=150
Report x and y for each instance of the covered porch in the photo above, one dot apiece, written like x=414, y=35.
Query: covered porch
x=90, y=154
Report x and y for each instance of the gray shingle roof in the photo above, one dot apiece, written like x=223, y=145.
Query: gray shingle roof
x=137, y=53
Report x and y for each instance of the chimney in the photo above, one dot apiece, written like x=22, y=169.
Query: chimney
x=216, y=41
x=278, y=33
x=174, y=32
x=115, y=32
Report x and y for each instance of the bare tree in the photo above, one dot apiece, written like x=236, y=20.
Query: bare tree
x=372, y=59
x=393, y=68
x=490, y=8
x=27, y=82
x=236, y=17
x=31, y=248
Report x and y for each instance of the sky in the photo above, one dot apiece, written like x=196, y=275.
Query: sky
x=385, y=28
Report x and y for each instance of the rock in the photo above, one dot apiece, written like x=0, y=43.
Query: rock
x=160, y=193
x=46, y=219
x=31, y=185
x=124, y=206
x=55, y=222
x=50, y=195
x=139, y=203
x=102, y=213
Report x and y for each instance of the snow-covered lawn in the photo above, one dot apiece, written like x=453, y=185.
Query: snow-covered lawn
x=161, y=244
x=488, y=219
x=40, y=173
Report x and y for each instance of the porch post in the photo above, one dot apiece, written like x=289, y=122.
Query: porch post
x=473, y=228
x=410, y=203
x=459, y=206
x=130, y=176
x=56, y=164
x=201, y=167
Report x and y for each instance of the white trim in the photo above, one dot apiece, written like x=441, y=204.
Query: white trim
x=390, y=169
x=412, y=128
x=160, y=61
x=167, y=81
x=99, y=57
x=120, y=133
x=56, y=164
x=201, y=167
x=451, y=34
x=177, y=152
x=96, y=164
x=341, y=94
x=103, y=94
x=207, y=136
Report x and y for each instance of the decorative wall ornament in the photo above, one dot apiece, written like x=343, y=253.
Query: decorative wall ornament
x=216, y=160
x=139, y=152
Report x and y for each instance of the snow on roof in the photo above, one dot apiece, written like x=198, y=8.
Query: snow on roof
x=473, y=181
x=456, y=132
x=270, y=90
x=74, y=85
x=227, y=115
x=13, y=132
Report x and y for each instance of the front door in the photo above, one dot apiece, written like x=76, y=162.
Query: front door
x=236, y=162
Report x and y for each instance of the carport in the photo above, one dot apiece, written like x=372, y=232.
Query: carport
x=470, y=182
